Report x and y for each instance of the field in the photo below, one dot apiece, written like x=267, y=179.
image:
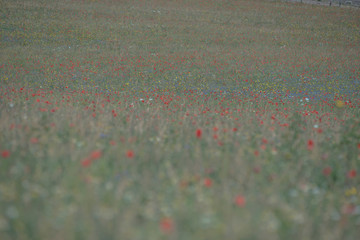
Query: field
x=179, y=120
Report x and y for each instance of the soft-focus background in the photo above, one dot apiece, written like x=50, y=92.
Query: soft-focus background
x=179, y=120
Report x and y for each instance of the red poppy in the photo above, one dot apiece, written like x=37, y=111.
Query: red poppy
x=257, y=169
x=348, y=208
x=310, y=145
x=240, y=201
x=327, y=171
x=208, y=182
x=352, y=173
x=198, y=133
x=130, y=154
x=86, y=162
x=96, y=154
x=5, y=153
x=166, y=225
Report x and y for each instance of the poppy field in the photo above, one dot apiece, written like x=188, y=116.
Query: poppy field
x=169, y=119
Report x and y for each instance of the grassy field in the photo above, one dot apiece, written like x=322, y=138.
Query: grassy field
x=179, y=120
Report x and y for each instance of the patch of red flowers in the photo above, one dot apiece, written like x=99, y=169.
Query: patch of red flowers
x=93, y=156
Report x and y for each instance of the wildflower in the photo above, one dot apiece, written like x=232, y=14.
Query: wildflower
x=198, y=133
x=240, y=201
x=339, y=103
x=257, y=169
x=34, y=140
x=208, y=182
x=348, y=208
x=310, y=145
x=184, y=184
x=96, y=154
x=5, y=153
x=327, y=171
x=351, y=192
x=167, y=225
x=86, y=162
x=351, y=173
x=130, y=154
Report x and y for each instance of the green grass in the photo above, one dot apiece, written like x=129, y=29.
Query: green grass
x=101, y=103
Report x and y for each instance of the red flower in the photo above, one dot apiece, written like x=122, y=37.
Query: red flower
x=166, y=225
x=348, y=209
x=96, y=154
x=198, y=133
x=5, y=153
x=257, y=169
x=130, y=154
x=310, y=145
x=208, y=182
x=240, y=201
x=327, y=171
x=352, y=173
x=34, y=140
x=86, y=162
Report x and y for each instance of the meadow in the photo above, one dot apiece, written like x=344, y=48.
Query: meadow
x=186, y=119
